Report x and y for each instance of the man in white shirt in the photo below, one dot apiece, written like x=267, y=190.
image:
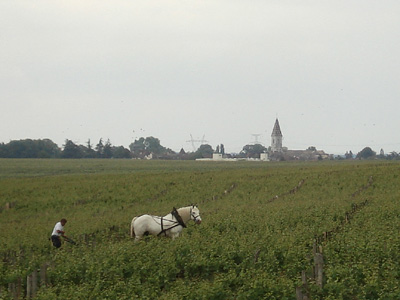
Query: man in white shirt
x=58, y=231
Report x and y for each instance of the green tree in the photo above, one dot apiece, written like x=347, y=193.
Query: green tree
x=100, y=148
x=107, y=150
x=222, y=149
x=393, y=155
x=138, y=148
x=89, y=152
x=348, y=155
x=253, y=151
x=30, y=149
x=144, y=146
x=48, y=149
x=204, y=151
x=71, y=150
x=3, y=150
x=154, y=145
x=121, y=152
x=366, y=153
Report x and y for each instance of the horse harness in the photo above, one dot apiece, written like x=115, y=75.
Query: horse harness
x=179, y=222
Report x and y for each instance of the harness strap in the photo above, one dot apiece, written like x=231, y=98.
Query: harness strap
x=179, y=222
x=165, y=230
x=162, y=227
x=175, y=213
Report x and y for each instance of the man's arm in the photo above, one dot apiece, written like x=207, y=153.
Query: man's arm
x=62, y=234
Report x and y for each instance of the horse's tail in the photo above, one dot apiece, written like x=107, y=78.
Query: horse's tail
x=132, y=229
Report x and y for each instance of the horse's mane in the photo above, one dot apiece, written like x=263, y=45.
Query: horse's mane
x=177, y=216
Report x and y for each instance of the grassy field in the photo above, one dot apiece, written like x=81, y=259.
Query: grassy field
x=260, y=221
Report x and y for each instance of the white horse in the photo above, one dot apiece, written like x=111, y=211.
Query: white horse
x=170, y=225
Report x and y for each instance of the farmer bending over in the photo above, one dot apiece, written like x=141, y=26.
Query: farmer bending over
x=58, y=231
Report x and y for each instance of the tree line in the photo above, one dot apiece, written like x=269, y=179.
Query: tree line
x=46, y=148
x=368, y=153
x=142, y=148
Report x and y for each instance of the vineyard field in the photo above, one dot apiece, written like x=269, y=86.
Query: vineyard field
x=261, y=225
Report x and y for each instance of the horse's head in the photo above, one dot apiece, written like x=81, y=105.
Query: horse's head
x=195, y=214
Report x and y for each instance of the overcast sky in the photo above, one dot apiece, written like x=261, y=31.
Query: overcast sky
x=225, y=70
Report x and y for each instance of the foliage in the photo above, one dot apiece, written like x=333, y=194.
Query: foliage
x=71, y=150
x=30, y=149
x=255, y=239
x=107, y=150
x=150, y=147
x=120, y=152
x=88, y=151
x=100, y=149
x=348, y=155
x=253, y=151
x=220, y=149
x=204, y=151
x=366, y=153
x=144, y=146
x=393, y=156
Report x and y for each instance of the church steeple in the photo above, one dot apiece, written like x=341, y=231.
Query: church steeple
x=276, y=138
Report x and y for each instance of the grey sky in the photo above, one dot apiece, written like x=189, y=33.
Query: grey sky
x=79, y=70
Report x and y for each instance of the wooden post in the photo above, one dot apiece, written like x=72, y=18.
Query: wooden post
x=305, y=285
x=256, y=255
x=301, y=291
x=43, y=274
x=28, y=286
x=34, y=283
x=19, y=288
x=319, y=269
x=12, y=290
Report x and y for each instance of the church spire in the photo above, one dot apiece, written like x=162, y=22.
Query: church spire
x=276, y=138
x=277, y=129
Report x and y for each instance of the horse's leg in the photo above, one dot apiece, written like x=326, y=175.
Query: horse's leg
x=175, y=235
x=132, y=229
x=138, y=234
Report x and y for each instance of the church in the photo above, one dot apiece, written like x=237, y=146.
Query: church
x=276, y=138
x=279, y=153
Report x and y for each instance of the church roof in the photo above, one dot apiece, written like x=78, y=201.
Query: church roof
x=277, y=129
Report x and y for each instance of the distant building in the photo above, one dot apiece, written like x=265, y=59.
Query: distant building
x=276, y=138
x=278, y=152
x=305, y=155
x=264, y=156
